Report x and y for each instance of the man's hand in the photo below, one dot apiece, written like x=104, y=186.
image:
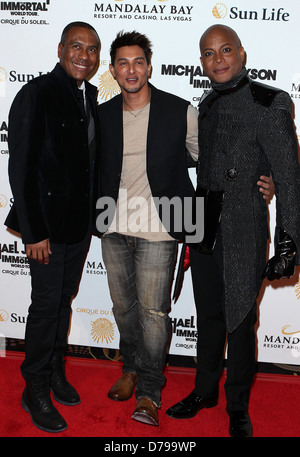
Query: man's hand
x=282, y=264
x=39, y=251
x=266, y=187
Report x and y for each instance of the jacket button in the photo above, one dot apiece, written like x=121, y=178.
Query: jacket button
x=231, y=174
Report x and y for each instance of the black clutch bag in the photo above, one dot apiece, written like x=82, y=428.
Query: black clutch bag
x=213, y=202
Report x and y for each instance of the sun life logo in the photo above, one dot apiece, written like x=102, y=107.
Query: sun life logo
x=3, y=74
x=3, y=315
x=219, y=11
x=3, y=201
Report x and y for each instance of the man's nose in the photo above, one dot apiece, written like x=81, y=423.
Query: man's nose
x=131, y=68
x=83, y=54
x=219, y=57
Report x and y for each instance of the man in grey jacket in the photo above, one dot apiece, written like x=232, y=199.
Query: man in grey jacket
x=245, y=130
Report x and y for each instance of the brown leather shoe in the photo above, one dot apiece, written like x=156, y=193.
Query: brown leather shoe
x=124, y=387
x=145, y=411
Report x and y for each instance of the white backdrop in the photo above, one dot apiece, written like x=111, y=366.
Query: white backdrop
x=30, y=32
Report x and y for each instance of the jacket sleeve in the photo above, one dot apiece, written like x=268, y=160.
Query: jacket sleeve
x=277, y=138
x=25, y=141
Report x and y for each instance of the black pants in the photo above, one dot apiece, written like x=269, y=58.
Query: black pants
x=53, y=287
x=208, y=286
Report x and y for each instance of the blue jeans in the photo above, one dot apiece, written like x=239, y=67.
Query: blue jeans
x=139, y=277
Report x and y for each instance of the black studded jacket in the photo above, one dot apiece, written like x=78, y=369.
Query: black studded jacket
x=245, y=131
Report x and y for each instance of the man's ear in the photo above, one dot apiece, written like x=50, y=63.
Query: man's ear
x=242, y=54
x=112, y=70
x=149, y=70
x=60, y=46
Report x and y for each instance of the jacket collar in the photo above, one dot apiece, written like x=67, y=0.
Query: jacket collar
x=234, y=84
x=60, y=73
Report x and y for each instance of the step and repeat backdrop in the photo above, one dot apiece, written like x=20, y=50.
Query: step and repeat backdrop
x=30, y=33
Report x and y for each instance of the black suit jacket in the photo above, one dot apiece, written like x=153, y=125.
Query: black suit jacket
x=49, y=166
x=243, y=134
x=166, y=157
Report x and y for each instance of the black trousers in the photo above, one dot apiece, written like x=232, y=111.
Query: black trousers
x=53, y=287
x=208, y=287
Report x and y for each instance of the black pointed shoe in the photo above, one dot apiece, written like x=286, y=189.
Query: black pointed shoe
x=37, y=402
x=62, y=390
x=190, y=406
x=240, y=424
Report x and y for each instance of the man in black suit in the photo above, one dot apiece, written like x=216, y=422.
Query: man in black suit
x=52, y=144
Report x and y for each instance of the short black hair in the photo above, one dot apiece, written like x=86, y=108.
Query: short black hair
x=68, y=27
x=131, y=39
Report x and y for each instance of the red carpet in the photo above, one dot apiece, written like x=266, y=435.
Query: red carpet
x=274, y=405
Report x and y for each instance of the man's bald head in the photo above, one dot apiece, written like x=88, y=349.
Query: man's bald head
x=222, y=55
x=220, y=28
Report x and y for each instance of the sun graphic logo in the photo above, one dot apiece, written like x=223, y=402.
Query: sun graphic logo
x=297, y=289
x=3, y=74
x=3, y=315
x=3, y=201
x=102, y=330
x=108, y=86
x=219, y=11
x=3, y=77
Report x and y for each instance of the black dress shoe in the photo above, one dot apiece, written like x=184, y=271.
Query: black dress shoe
x=62, y=390
x=189, y=406
x=37, y=402
x=240, y=424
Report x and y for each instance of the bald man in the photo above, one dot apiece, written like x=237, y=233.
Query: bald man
x=245, y=130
